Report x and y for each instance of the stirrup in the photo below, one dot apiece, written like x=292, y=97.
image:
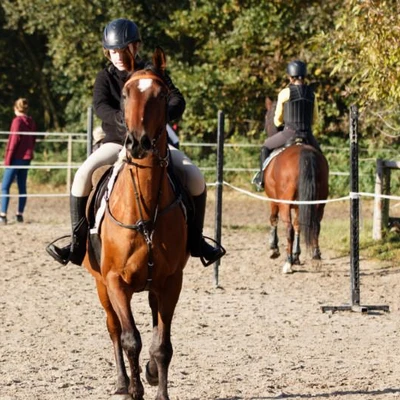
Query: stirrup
x=257, y=180
x=222, y=252
x=50, y=248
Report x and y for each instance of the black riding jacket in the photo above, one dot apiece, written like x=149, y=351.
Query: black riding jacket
x=107, y=100
x=298, y=110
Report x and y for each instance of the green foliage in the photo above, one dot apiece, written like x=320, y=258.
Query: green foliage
x=223, y=55
x=362, y=55
x=385, y=250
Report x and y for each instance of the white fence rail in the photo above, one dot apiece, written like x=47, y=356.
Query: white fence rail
x=70, y=165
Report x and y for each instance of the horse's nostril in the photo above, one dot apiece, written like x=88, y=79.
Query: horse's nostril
x=145, y=143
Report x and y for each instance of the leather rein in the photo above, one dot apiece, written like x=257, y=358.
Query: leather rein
x=146, y=227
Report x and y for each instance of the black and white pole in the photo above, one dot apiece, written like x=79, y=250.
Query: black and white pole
x=218, y=191
x=354, y=227
x=354, y=209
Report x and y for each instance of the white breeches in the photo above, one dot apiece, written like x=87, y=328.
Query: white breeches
x=188, y=173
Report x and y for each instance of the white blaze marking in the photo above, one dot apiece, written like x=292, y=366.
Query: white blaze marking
x=144, y=84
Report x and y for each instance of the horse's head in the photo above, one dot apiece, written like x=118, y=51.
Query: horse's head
x=145, y=109
x=270, y=107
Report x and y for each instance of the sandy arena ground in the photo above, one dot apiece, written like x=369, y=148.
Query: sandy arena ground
x=261, y=336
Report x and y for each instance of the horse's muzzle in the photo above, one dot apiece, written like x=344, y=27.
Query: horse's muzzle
x=145, y=143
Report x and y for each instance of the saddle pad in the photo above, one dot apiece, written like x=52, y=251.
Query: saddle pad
x=100, y=212
x=272, y=156
x=276, y=152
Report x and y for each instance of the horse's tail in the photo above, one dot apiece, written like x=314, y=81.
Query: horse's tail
x=307, y=191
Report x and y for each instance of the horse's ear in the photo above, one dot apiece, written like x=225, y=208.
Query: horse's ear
x=268, y=103
x=159, y=59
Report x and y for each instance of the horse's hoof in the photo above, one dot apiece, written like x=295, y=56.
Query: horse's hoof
x=274, y=253
x=296, y=261
x=121, y=397
x=317, y=264
x=287, y=268
x=152, y=380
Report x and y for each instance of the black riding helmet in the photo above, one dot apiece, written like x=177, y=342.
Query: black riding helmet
x=297, y=68
x=119, y=33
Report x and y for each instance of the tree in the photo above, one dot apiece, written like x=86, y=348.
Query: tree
x=222, y=54
x=363, y=56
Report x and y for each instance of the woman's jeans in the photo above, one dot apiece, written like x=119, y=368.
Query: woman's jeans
x=10, y=174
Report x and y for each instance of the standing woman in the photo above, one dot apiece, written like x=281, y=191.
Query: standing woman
x=19, y=152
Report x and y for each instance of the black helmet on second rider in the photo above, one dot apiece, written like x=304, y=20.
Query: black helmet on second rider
x=119, y=33
x=297, y=68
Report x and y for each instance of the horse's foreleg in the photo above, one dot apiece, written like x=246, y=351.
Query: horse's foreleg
x=114, y=330
x=273, y=238
x=120, y=297
x=151, y=368
x=161, y=347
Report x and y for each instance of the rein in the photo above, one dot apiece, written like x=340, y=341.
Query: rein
x=146, y=227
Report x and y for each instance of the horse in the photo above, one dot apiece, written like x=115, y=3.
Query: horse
x=298, y=172
x=143, y=237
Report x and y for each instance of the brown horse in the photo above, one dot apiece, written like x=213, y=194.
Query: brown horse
x=143, y=238
x=300, y=173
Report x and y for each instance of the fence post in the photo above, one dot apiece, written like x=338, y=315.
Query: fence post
x=219, y=187
x=89, y=131
x=354, y=208
x=69, y=163
x=386, y=191
x=377, y=222
x=354, y=228
x=381, y=205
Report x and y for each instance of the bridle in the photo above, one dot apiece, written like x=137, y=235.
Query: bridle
x=146, y=227
x=154, y=142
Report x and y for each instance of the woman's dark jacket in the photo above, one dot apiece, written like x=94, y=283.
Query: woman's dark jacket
x=107, y=101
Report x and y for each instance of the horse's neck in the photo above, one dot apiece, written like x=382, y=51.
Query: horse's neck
x=146, y=185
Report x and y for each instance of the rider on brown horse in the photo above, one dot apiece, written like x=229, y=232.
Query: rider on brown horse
x=121, y=42
x=297, y=109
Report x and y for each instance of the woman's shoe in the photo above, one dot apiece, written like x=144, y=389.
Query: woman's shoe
x=19, y=218
x=3, y=220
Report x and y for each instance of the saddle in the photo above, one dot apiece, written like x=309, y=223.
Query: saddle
x=295, y=141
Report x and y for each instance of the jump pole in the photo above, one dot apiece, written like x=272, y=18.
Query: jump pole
x=354, y=228
x=218, y=191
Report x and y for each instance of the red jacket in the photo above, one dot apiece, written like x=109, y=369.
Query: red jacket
x=20, y=146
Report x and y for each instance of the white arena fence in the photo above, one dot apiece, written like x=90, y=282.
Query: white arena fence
x=71, y=138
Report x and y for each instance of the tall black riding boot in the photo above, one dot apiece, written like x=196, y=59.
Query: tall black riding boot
x=198, y=246
x=259, y=178
x=265, y=152
x=74, y=252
